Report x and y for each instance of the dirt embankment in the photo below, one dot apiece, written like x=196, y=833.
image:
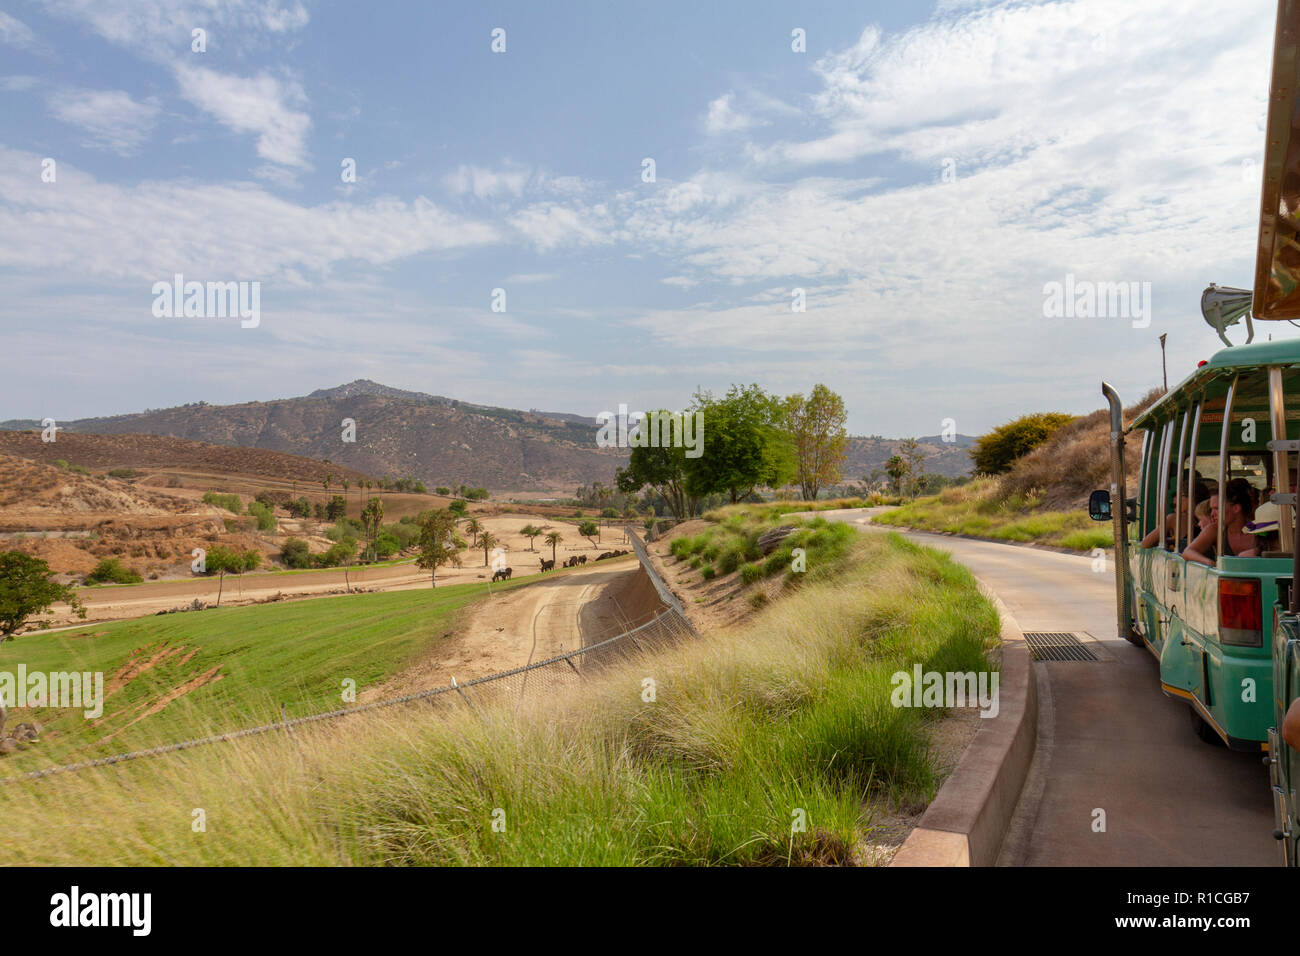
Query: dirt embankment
x=554, y=615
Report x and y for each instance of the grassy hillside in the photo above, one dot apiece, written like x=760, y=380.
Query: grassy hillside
x=1043, y=499
x=750, y=732
x=180, y=676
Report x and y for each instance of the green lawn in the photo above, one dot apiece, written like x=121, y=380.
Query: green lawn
x=295, y=653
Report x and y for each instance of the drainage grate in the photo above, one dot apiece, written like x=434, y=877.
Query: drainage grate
x=1057, y=646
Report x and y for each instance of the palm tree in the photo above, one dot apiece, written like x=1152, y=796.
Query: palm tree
x=345, y=495
x=473, y=527
x=553, y=538
x=487, y=540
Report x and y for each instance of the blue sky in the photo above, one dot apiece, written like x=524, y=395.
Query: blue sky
x=1107, y=140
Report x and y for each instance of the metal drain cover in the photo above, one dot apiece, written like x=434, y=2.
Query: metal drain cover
x=1057, y=646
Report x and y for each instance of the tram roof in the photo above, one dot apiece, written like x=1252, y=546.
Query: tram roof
x=1221, y=365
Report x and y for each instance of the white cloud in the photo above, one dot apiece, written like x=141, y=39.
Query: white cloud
x=17, y=83
x=722, y=117
x=549, y=225
x=111, y=119
x=263, y=105
x=146, y=232
x=157, y=28
x=486, y=183
x=15, y=33
x=530, y=278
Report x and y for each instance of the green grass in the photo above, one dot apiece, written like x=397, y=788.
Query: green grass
x=785, y=718
x=232, y=503
x=980, y=510
x=292, y=653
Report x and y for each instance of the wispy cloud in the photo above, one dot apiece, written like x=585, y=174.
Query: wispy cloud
x=111, y=119
x=15, y=33
x=485, y=183
x=263, y=105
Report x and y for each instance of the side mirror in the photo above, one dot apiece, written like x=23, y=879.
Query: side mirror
x=1099, y=505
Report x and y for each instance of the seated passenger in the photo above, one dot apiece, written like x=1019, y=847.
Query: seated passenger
x=1200, y=494
x=1237, y=541
x=1264, y=527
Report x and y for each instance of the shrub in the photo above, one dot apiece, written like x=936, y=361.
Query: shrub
x=751, y=573
x=609, y=513
x=123, y=473
x=708, y=573
x=114, y=571
x=442, y=490
x=264, y=515
x=680, y=548
x=757, y=599
x=232, y=503
x=295, y=554
x=729, y=558
x=995, y=452
x=458, y=508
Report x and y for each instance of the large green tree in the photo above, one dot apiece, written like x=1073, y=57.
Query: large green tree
x=817, y=428
x=745, y=444
x=438, y=544
x=664, y=470
x=995, y=452
x=27, y=588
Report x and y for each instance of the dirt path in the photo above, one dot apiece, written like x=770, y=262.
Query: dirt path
x=516, y=627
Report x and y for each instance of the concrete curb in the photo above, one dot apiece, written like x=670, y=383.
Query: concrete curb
x=968, y=819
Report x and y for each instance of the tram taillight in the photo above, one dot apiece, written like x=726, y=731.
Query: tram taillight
x=1240, y=612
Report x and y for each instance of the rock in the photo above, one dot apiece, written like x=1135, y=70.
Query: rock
x=769, y=541
x=8, y=746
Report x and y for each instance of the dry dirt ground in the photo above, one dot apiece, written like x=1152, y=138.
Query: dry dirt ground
x=525, y=625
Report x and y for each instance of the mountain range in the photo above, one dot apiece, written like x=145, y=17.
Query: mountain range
x=441, y=441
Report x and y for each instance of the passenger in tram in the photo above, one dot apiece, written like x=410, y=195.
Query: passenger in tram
x=1237, y=541
x=1200, y=493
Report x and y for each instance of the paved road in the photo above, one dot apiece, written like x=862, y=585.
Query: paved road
x=1108, y=738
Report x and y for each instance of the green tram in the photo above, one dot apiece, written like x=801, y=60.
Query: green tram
x=1221, y=630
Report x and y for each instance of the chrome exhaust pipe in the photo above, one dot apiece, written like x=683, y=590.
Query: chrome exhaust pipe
x=1119, y=512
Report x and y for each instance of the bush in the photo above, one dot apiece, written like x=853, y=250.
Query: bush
x=295, y=554
x=264, y=515
x=232, y=503
x=318, y=511
x=458, y=508
x=995, y=452
x=346, y=528
x=708, y=573
x=123, y=473
x=339, y=554
x=751, y=573
x=609, y=513
x=113, y=571
x=757, y=599
x=442, y=490
x=729, y=559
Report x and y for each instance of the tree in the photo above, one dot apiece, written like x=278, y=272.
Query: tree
x=530, y=532
x=327, y=481
x=295, y=554
x=487, y=540
x=817, y=427
x=458, y=508
x=995, y=452
x=371, y=517
x=473, y=526
x=346, y=483
x=438, y=542
x=220, y=560
x=664, y=470
x=912, y=453
x=590, y=530
x=896, y=469
x=336, y=509
x=27, y=588
x=745, y=445
x=553, y=538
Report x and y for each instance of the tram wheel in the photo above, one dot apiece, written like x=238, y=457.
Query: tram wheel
x=1202, y=727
